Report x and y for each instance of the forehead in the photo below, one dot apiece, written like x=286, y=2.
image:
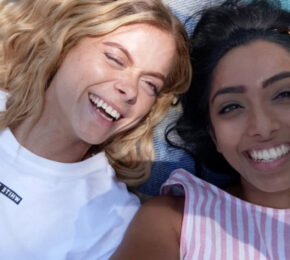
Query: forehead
x=136, y=28
x=142, y=36
x=147, y=44
x=251, y=64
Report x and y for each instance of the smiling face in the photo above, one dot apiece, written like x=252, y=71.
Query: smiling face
x=107, y=84
x=250, y=114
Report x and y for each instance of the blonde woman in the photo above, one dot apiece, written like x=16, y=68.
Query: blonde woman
x=82, y=84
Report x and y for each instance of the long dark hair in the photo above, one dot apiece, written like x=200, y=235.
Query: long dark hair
x=220, y=29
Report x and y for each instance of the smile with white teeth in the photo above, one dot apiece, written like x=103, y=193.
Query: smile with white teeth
x=111, y=113
x=269, y=155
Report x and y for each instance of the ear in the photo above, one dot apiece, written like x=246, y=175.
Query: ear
x=211, y=132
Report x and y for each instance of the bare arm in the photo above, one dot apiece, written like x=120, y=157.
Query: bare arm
x=154, y=232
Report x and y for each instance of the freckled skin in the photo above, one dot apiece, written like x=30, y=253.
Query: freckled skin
x=88, y=69
x=120, y=68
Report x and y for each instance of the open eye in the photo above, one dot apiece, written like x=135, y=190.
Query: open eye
x=229, y=108
x=283, y=95
x=114, y=59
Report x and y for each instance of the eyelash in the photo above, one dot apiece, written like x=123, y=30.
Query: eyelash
x=110, y=57
x=119, y=63
x=283, y=95
x=153, y=86
x=229, y=108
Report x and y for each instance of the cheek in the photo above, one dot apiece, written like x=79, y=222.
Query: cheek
x=222, y=144
x=145, y=105
x=227, y=137
x=282, y=115
x=139, y=112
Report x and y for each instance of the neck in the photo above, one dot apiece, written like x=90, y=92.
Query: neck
x=279, y=200
x=48, y=140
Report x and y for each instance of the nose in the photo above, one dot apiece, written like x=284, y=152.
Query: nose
x=127, y=88
x=263, y=123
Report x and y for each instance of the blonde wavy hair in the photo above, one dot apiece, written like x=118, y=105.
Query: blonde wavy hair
x=36, y=35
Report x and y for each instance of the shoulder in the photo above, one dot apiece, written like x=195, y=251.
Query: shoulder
x=165, y=213
x=180, y=182
x=165, y=208
x=155, y=231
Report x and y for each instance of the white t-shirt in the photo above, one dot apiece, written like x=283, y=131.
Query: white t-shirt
x=51, y=210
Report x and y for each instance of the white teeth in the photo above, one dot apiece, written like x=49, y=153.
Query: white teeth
x=266, y=155
x=101, y=104
x=109, y=110
x=273, y=154
x=270, y=154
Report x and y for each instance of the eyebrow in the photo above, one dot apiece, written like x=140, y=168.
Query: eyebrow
x=275, y=78
x=231, y=89
x=241, y=89
x=122, y=49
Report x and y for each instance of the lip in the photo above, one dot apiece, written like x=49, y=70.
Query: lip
x=269, y=165
x=267, y=146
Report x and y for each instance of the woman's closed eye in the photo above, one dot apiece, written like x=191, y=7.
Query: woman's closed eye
x=152, y=88
x=113, y=59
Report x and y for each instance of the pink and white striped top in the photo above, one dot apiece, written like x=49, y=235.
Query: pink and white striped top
x=217, y=225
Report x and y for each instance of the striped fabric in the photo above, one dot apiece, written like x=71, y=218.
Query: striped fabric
x=217, y=225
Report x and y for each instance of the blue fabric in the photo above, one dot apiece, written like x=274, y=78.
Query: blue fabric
x=188, y=11
x=285, y=4
x=167, y=158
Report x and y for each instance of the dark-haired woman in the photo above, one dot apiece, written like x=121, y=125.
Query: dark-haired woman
x=237, y=115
